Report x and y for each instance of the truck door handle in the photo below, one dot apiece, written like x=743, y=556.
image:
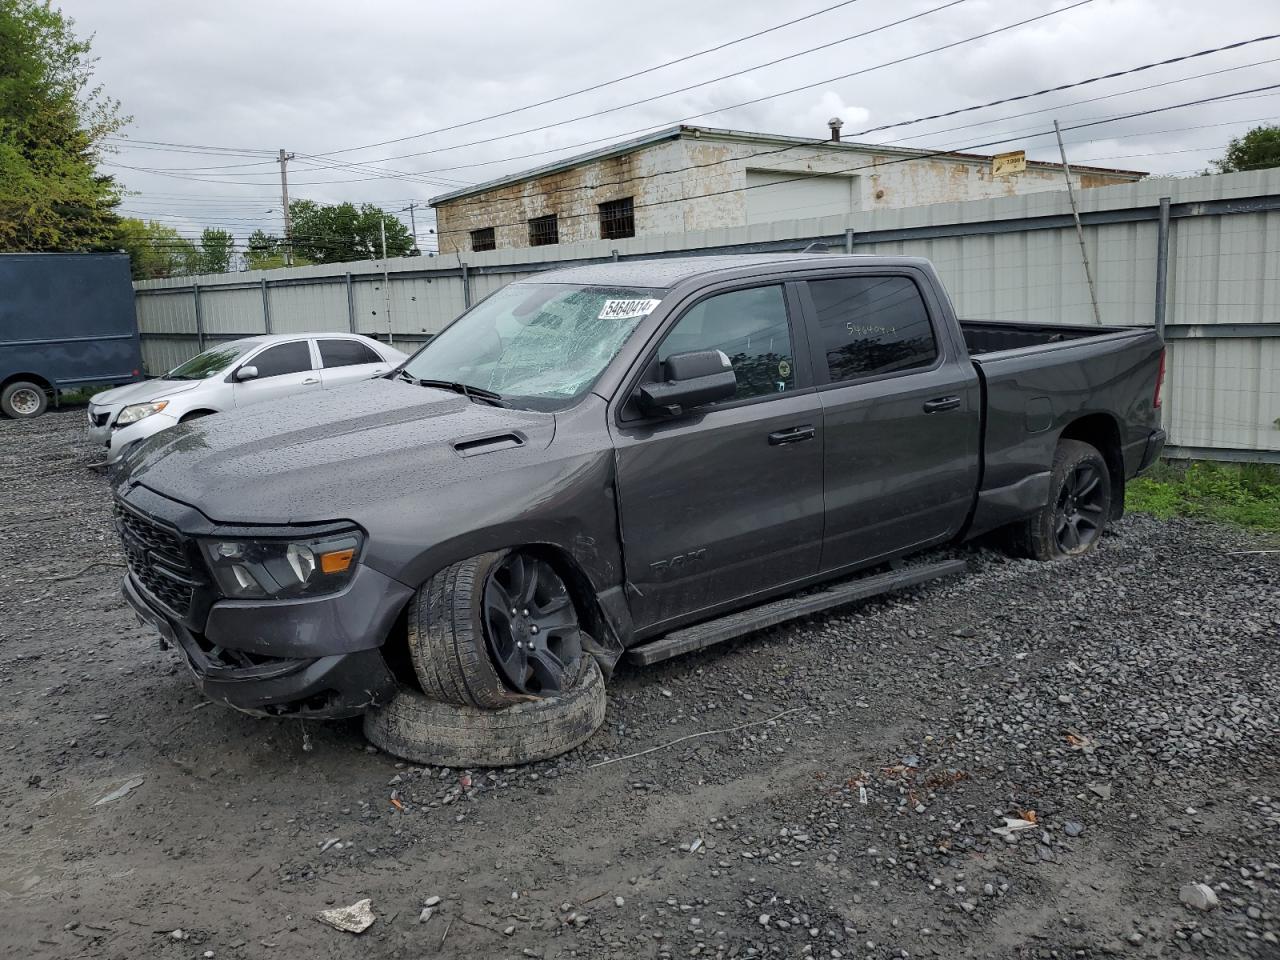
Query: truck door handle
x=791, y=435
x=940, y=404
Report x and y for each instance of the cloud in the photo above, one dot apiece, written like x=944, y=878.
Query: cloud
x=322, y=76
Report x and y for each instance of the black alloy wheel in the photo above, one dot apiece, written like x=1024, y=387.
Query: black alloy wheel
x=1082, y=505
x=531, y=626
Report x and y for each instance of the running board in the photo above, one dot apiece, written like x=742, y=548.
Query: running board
x=700, y=635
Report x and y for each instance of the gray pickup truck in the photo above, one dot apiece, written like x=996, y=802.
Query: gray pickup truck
x=645, y=457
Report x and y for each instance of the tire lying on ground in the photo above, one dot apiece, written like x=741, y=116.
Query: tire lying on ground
x=426, y=731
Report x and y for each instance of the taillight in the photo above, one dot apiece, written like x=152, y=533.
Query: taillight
x=1155, y=401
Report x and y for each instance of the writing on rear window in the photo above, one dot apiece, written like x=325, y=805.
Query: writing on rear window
x=627, y=309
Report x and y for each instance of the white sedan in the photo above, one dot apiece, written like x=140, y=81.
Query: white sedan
x=233, y=375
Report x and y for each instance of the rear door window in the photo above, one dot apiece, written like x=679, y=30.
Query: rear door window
x=872, y=326
x=283, y=358
x=751, y=327
x=346, y=353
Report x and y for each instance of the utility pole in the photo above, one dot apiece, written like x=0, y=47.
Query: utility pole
x=413, y=223
x=386, y=280
x=284, y=199
x=1075, y=212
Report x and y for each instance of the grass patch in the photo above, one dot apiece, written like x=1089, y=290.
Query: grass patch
x=1245, y=494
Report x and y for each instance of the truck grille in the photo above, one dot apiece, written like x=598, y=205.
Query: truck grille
x=157, y=558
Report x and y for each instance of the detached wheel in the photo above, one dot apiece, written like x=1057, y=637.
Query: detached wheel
x=23, y=400
x=494, y=630
x=1072, y=522
x=425, y=731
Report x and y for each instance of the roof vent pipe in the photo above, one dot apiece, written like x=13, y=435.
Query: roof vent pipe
x=835, y=123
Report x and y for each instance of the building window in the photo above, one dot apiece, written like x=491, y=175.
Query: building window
x=543, y=231
x=483, y=240
x=617, y=219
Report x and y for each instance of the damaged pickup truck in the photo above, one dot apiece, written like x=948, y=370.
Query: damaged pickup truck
x=640, y=456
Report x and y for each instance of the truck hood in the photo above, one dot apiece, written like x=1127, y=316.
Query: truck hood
x=142, y=392
x=366, y=443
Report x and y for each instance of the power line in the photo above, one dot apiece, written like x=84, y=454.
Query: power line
x=1076, y=103
x=660, y=96
x=823, y=143
x=760, y=99
x=1068, y=86
x=720, y=109
x=598, y=86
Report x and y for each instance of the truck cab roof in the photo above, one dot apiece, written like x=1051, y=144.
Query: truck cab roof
x=667, y=272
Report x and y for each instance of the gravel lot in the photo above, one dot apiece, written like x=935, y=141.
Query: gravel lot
x=1129, y=700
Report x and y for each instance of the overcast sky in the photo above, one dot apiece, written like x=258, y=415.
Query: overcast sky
x=322, y=76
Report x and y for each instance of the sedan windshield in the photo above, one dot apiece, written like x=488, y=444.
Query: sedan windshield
x=535, y=345
x=209, y=363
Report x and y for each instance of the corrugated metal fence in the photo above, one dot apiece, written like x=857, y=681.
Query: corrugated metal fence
x=1012, y=258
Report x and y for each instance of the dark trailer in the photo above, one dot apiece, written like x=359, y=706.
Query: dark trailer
x=66, y=321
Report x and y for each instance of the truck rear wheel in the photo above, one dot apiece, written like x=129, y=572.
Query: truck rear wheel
x=23, y=400
x=443, y=734
x=494, y=630
x=1072, y=522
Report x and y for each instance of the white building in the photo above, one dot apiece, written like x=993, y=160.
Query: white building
x=698, y=178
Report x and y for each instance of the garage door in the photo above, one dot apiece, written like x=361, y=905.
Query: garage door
x=772, y=195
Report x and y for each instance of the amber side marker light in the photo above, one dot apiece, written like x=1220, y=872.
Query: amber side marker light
x=336, y=561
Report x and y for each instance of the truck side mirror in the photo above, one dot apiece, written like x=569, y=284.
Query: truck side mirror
x=247, y=373
x=693, y=379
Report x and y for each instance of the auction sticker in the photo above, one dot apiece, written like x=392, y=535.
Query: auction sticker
x=627, y=309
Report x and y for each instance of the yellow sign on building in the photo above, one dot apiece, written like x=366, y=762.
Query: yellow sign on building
x=1003, y=164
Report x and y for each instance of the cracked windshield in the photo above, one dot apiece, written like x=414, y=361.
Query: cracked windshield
x=537, y=345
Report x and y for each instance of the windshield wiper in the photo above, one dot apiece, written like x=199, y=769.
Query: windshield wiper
x=474, y=394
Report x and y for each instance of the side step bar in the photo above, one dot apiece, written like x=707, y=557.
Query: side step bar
x=733, y=625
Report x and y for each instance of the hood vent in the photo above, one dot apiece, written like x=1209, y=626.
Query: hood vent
x=478, y=445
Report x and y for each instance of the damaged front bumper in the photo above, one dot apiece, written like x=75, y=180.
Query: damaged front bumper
x=319, y=657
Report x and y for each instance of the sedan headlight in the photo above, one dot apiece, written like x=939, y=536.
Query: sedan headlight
x=139, y=411
x=248, y=569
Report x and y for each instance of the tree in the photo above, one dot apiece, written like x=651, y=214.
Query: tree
x=265, y=251
x=1258, y=148
x=217, y=247
x=155, y=250
x=340, y=232
x=53, y=121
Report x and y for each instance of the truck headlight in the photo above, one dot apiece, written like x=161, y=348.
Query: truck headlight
x=139, y=411
x=254, y=569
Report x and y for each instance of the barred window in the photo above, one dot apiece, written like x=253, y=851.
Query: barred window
x=617, y=219
x=483, y=239
x=543, y=231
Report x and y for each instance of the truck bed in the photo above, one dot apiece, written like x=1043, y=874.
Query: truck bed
x=994, y=336
x=1037, y=378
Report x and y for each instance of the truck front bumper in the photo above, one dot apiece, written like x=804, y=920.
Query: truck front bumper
x=317, y=657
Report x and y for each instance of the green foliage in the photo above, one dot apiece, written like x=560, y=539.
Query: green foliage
x=217, y=247
x=155, y=250
x=1257, y=149
x=266, y=252
x=341, y=232
x=52, y=124
x=1244, y=494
